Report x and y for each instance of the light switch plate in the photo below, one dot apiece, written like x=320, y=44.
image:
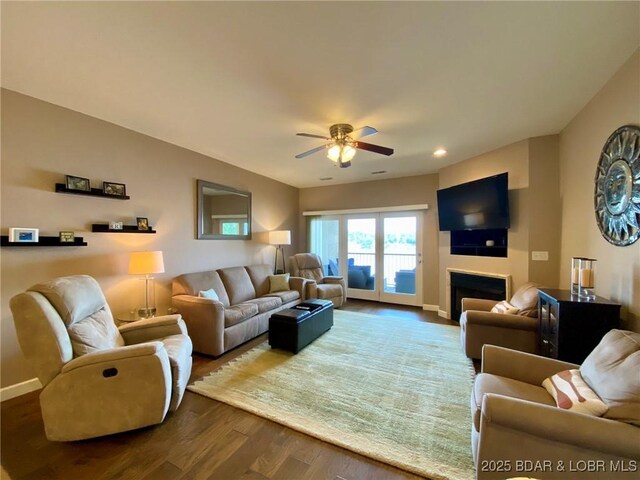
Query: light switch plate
x=540, y=256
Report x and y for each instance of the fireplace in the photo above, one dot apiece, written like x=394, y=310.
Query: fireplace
x=475, y=285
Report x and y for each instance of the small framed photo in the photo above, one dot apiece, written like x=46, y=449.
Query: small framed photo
x=23, y=235
x=115, y=189
x=143, y=223
x=78, y=183
x=67, y=237
x=115, y=225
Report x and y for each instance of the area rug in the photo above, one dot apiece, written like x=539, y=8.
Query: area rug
x=396, y=390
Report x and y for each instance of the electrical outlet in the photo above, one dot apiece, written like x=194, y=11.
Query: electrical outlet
x=540, y=256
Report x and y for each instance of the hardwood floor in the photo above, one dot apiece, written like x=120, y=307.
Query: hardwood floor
x=204, y=439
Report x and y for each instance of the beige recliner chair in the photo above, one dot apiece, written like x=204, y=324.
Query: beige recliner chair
x=515, y=419
x=309, y=265
x=479, y=326
x=98, y=379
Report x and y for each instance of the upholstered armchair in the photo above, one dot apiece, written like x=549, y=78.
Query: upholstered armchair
x=98, y=379
x=520, y=331
x=309, y=265
x=516, y=420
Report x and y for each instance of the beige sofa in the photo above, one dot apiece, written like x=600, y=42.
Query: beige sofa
x=242, y=311
x=515, y=419
x=98, y=379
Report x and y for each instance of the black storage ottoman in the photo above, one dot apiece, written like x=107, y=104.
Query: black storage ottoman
x=295, y=328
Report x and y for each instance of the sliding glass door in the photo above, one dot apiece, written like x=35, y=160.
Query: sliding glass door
x=381, y=252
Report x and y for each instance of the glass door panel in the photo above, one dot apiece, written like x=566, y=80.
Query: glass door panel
x=401, y=258
x=361, y=257
x=324, y=234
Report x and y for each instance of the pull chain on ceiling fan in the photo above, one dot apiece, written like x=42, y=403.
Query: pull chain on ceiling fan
x=342, y=144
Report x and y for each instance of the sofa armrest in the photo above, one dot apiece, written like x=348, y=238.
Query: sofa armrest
x=525, y=367
x=300, y=285
x=205, y=321
x=88, y=398
x=340, y=281
x=151, y=329
x=553, y=425
x=312, y=289
x=478, y=304
x=502, y=320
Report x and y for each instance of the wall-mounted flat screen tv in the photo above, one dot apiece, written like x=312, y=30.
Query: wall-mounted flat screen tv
x=479, y=205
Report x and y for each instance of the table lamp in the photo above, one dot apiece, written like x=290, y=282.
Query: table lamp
x=147, y=263
x=279, y=238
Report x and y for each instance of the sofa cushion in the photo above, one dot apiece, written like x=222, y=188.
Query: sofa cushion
x=259, y=275
x=265, y=304
x=526, y=299
x=96, y=332
x=278, y=283
x=488, y=383
x=193, y=283
x=329, y=290
x=286, y=296
x=612, y=370
x=239, y=313
x=238, y=284
x=571, y=392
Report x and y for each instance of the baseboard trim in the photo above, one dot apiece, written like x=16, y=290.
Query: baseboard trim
x=18, y=389
x=430, y=308
x=443, y=314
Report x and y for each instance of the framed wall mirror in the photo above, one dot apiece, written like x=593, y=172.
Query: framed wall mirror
x=224, y=213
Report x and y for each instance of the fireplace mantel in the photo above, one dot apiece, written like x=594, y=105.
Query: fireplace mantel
x=506, y=278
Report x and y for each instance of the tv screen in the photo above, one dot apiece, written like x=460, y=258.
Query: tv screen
x=479, y=205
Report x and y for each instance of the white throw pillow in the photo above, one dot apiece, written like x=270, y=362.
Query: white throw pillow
x=504, y=307
x=571, y=392
x=210, y=294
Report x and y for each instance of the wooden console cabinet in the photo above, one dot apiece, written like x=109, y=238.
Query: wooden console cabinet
x=570, y=327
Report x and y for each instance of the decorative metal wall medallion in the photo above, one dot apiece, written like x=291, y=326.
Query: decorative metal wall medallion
x=617, y=187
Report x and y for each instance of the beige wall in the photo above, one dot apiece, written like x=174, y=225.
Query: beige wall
x=581, y=141
x=42, y=142
x=513, y=159
x=387, y=193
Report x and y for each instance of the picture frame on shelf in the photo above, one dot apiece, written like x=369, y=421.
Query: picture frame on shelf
x=23, y=235
x=143, y=223
x=115, y=189
x=116, y=225
x=80, y=184
x=67, y=237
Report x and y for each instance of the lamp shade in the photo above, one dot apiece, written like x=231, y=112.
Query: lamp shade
x=144, y=263
x=280, y=237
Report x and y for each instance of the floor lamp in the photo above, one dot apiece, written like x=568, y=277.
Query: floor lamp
x=147, y=263
x=279, y=238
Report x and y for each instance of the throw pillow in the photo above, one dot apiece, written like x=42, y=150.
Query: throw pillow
x=571, y=392
x=210, y=294
x=279, y=283
x=504, y=307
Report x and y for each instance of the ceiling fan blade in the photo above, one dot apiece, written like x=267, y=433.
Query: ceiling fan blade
x=374, y=148
x=310, y=152
x=362, y=132
x=313, y=136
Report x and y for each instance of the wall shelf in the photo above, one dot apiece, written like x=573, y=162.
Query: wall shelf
x=95, y=192
x=104, y=228
x=43, y=242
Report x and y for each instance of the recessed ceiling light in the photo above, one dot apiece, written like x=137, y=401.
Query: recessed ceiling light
x=378, y=172
x=324, y=179
x=441, y=152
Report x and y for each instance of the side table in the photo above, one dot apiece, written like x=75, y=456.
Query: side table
x=123, y=318
x=570, y=326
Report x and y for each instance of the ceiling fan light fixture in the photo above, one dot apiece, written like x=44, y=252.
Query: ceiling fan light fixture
x=348, y=152
x=334, y=153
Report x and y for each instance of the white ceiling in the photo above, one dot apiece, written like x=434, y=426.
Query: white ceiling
x=237, y=81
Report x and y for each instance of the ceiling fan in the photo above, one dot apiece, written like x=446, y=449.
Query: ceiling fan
x=343, y=143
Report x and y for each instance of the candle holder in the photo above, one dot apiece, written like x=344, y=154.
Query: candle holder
x=586, y=288
x=575, y=275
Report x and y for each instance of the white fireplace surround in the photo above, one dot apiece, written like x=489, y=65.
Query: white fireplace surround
x=506, y=278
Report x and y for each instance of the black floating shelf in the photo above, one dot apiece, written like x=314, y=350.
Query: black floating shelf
x=104, y=228
x=95, y=192
x=43, y=242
